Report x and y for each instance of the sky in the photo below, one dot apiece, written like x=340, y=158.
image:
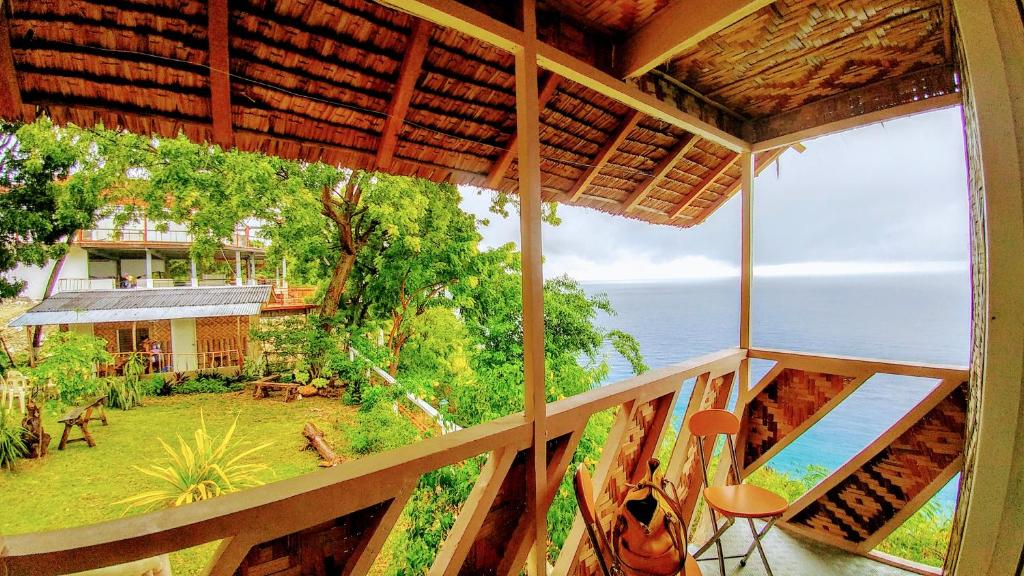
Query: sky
x=882, y=199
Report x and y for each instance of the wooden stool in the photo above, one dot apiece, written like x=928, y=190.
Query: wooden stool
x=80, y=417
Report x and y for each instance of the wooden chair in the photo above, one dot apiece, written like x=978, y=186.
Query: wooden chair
x=737, y=500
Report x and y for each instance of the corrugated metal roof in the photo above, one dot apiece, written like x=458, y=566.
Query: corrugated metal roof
x=145, y=304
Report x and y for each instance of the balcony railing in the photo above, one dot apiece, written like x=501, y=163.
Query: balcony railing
x=242, y=238
x=175, y=361
x=344, y=514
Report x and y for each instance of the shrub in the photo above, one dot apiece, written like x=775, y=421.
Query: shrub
x=68, y=361
x=11, y=445
x=202, y=385
x=206, y=470
x=124, y=393
x=379, y=429
x=156, y=385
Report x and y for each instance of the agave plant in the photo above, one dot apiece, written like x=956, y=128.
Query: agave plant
x=11, y=445
x=208, y=469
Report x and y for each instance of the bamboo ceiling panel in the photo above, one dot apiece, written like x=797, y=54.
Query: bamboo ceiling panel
x=316, y=80
x=616, y=17
x=797, y=51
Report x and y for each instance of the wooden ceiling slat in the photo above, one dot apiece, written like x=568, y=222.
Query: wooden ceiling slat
x=764, y=160
x=409, y=73
x=10, y=94
x=706, y=183
x=661, y=170
x=504, y=160
x=220, y=79
x=604, y=154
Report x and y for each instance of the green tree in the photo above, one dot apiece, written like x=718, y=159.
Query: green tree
x=68, y=362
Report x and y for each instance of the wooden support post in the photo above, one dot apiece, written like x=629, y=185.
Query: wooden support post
x=746, y=263
x=238, y=268
x=220, y=80
x=408, y=73
x=528, y=129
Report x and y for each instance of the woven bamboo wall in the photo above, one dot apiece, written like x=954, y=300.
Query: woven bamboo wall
x=222, y=334
x=159, y=331
x=868, y=498
x=790, y=399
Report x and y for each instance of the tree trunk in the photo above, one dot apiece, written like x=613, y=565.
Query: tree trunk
x=396, y=351
x=315, y=440
x=51, y=282
x=336, y=287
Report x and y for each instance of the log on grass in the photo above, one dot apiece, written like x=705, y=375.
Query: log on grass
x=315, y=440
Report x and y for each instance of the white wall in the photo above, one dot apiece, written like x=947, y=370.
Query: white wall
x=137, y=267
x=76, y=265
x=103, y=269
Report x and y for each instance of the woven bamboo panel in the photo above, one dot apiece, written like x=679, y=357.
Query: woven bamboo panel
x=642, y=434
x=792, y=398
x=797, y=51
x=865, y=500
x=611, y=16
x=159, y=331
x=316, y=551
x=716, y=395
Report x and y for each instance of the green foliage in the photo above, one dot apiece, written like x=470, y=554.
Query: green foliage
x=378, y=426
x=11, y=445
x=787, y=485
x=924, y=537
x=203, y=384
x=209, y=468
x=127, y=392
x=68, y=360
x=155, y=385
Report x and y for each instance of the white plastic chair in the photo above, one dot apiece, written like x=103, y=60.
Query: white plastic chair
x=14, y=385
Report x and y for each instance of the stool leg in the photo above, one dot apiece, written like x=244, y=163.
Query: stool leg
x=64, y=437
x=718, y=543
x=757, y=542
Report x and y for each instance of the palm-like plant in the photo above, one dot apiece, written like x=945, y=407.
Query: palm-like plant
x=191, y=473
x=11, y=445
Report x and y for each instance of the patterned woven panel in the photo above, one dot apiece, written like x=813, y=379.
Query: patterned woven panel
x=868, y=498
x=798, y=51
x=791, y=399
x=645, y=420
x=222, y=333
x=317, y=551
x=716, y=395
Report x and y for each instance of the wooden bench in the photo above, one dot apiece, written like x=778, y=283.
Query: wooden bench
x=262, y=389
x=80, y=417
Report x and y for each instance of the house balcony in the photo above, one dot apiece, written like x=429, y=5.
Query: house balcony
x=337, y=520
x=135, y=239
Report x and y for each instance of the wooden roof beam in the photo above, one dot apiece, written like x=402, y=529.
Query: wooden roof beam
x=704, y=185
x=408, y=74
x=661, y=171
x=11, y=106
x=762, y=161
x=603, y=155
x=679, y=26
x=220, y=79
x=476, y=24
x=504, y=160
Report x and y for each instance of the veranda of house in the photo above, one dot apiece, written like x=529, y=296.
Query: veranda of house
x=654, y=110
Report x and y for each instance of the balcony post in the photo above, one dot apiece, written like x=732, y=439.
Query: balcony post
x=746, y=262
x=149, y=268
x=986, y=535
x=192, y=269
x=238, y=268
x=284, y=273
x=528, y=142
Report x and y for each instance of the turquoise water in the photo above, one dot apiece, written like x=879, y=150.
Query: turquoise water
x=913, y=318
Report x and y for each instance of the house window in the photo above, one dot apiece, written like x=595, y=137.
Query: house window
x=124, y=339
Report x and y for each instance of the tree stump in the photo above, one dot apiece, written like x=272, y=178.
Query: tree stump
x=37, y=441
x=315, y=440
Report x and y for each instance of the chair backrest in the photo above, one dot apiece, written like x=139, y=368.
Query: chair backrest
x=585, y=494
x=713, y=422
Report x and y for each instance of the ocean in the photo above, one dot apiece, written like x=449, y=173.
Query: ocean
x=903, y=317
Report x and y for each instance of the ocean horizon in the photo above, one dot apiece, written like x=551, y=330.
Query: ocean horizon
x=909, y=317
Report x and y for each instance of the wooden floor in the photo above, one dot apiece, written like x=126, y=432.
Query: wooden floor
x=792, y=555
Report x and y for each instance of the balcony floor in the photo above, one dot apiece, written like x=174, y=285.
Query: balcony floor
x=791, y=554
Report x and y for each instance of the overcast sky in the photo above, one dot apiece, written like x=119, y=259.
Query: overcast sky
x=885, y=198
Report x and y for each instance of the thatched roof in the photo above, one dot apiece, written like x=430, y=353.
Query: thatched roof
x=339, y=80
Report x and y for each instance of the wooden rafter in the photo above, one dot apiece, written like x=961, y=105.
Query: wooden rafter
x=547, y=92
x=604, y=154
x=678, y=26
x=661, y=170
x=764, y=160
x=220, y=79
x=408, y=73
x=10, y=95
x=706, y=183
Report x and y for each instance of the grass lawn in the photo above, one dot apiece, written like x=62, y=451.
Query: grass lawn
x=80, y=485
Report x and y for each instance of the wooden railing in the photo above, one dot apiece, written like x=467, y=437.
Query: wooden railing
x=340, y=517
x=176, y=361
x=243, y=237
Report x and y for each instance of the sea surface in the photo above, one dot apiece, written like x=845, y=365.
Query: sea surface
x=904, y=317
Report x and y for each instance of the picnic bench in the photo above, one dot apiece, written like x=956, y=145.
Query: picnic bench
x=262, y=389
x=80, y=417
